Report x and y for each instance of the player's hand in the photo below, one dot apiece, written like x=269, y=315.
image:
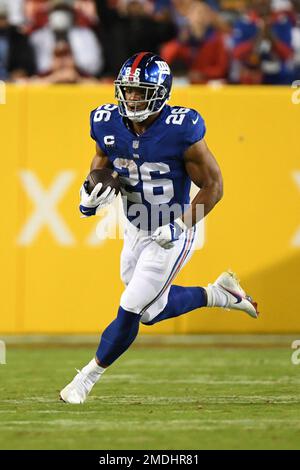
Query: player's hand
x=90, y=204
x=166, y=235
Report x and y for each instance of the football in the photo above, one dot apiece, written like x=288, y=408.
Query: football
x=106, y=176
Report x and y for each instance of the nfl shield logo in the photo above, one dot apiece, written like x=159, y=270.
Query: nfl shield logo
x=135, y=144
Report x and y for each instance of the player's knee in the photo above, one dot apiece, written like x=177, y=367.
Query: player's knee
x=146, y=319
x=134, y=300
x=129, y=302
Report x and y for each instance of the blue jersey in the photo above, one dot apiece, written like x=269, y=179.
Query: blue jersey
x=151, y=165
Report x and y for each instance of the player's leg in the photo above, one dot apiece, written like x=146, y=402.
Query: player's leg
x=173, y=301
x=138, y=272
x=149, y=296
x=115, y=340
x=180, y=300
x=153, y=273
x=122, y=331
x=155, y=269
x=225, y=292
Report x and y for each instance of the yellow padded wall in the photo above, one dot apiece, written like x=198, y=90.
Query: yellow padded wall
x=57, y=277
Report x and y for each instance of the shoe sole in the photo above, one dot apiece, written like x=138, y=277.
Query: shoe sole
x=61, y=398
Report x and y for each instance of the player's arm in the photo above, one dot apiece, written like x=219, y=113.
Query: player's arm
x=100, y=160
x=204, y=171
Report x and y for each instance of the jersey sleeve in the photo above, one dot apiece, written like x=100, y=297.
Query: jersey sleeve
x=194, y=129
x=93, y=131
x=96, y=130
x=103, y=123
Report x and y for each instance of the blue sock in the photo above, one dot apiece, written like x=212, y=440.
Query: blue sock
x=117, y=337
x=181, y=300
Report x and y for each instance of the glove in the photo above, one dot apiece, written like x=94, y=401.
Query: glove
x=166, y=235
x=91, y=203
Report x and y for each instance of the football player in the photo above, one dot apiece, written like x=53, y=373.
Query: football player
x=157, y=151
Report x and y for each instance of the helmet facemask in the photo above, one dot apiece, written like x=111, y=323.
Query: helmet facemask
x=154, y=98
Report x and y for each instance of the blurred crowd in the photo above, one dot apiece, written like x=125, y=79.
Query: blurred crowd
x=74, y=41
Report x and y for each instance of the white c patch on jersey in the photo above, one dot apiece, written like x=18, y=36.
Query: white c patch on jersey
x=109, y=140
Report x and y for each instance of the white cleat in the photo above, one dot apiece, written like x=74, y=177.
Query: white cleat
x=77, y=391
x=236, y=298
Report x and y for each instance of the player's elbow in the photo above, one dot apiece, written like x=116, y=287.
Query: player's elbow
x=220, y=191
x=218, y=188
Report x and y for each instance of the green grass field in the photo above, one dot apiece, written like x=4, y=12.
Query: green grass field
x=154, y=397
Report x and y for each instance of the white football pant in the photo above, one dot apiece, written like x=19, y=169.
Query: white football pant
x=148, y=270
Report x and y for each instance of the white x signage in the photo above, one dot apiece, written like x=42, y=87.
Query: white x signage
x=46, y=213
